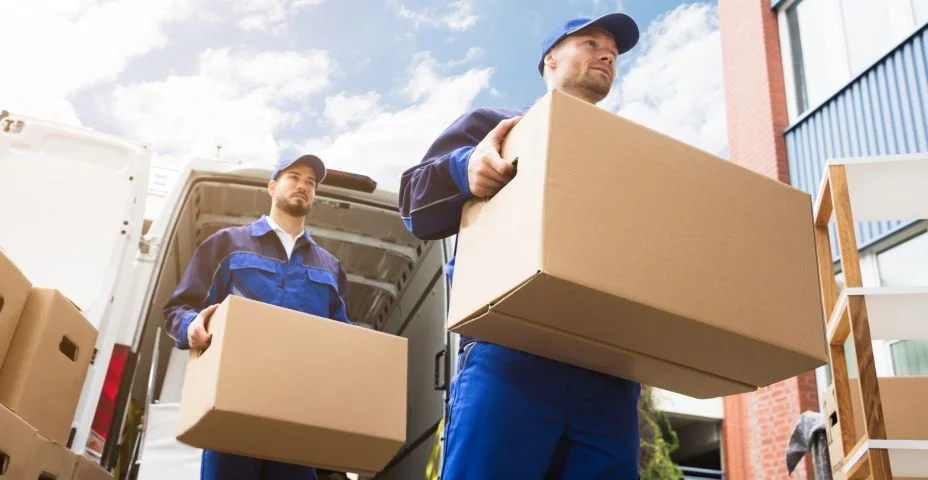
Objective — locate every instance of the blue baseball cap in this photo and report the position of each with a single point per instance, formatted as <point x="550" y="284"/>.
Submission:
<point x="311" y="161"/>
<point x="622" y="27"/>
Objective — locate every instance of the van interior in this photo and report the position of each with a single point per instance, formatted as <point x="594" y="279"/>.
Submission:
<point x="397" y="285"/>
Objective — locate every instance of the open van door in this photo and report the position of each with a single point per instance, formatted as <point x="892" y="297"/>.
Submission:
<point x="72" y="202"/>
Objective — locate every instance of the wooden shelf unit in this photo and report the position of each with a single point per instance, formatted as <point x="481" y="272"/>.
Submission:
<point x="881" y="188"/>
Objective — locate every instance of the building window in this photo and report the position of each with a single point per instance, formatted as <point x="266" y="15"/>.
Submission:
<point x="817" y="60"/>
<point x="826" y="43"/>
<point x="872" y="29"/>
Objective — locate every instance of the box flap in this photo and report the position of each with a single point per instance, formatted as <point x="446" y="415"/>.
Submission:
<point x="591" y="353"/>
<point x="620" y="322"/>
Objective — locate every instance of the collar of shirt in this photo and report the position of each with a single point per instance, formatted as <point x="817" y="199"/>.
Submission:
<point x="288" y="241"/>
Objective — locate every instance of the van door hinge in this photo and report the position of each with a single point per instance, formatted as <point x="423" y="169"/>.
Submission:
<point x="148" y="248"/>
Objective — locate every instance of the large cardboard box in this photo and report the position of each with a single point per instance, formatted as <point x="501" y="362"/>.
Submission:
<point x="17" y="444"/>
<point x="86" y="469"/>
<point x="622" y="250"/>
<point x="14" y="288"/>
<point x="50" y="461"/>
<point x="45" y="367"/>
<point x="282" y="385"/>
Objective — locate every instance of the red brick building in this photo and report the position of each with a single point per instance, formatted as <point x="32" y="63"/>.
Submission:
<point x="808" y="80"/>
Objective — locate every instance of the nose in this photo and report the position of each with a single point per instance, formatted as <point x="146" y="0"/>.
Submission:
<point x="607" y="57"/>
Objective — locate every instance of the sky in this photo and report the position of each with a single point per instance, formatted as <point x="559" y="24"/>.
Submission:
<point x="365" y="84"/>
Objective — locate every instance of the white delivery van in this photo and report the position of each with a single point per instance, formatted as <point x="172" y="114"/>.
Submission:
<point x="72" y="203"/>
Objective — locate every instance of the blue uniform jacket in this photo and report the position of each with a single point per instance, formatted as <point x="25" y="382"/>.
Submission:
<point x="250" y="261"/>
<point x="433" y="193"/>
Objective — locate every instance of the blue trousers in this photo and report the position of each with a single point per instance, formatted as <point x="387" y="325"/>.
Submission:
<point x="226" y="466"/>
<point x="515" y="415"/>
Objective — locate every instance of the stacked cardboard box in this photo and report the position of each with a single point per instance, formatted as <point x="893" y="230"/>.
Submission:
<point x="283" y="385"/>
<point x="45" y="349"/>
<point x="621" y="250"/>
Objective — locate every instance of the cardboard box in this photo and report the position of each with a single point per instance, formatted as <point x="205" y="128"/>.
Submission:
<point x="14" y="288"/>
<point x="50" y="461"/>
<point x="903" y="414"/>
<point x="622" y="250"/>
<point x="833" y="433"/>
<point x="17" y="444"/>
<point x="282" y="385"/>
<point x="45" y="367"/>
<point x="86" y="469"/>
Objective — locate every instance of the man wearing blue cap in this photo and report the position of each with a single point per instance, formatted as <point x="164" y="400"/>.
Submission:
<point x="272" y="260"/>
<point x="512" y="414"/>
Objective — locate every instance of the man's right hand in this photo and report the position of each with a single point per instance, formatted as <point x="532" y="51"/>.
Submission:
<point x="197" y="337"/>
<point x="487" y="172"/>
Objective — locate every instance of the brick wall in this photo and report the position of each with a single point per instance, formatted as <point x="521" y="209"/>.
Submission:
<point x="757" y="426"/>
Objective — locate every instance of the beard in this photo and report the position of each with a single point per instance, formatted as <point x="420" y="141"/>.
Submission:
<point x="594" y="86"/>
<point x="291" y="207"/>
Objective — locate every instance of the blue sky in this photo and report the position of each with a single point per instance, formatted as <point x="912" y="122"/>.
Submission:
<point x="366" y="84"/>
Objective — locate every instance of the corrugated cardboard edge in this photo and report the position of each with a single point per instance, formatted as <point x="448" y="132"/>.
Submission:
<point x="453" y="327"/>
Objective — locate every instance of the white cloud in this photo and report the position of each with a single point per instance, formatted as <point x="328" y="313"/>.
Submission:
<point x="387" y="143"/>
<point x="244" y="97"/>
<point x="457" y="15"/>
<point x="343" y="110"/>
<point x="261" y="14"/>
<point x="675" y="84"/>
<point x="53" y="48"/>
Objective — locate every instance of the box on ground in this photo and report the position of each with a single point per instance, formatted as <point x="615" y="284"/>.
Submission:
<point x="17" y="444"/>
<point x="50" y="461"/>
<point x="45" y="367"/>
<point x="282" y="385"/>
<point x="14" y="288"/>
<point x="86" y="469"/>
<point x="622" y="250"/>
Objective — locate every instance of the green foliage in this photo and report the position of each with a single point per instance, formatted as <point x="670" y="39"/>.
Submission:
<point x="656" y="463"/>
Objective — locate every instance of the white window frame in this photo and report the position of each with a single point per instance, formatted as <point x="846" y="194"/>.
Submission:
<point x="786" y="53"/>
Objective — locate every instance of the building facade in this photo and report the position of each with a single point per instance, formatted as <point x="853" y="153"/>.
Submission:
<point x="807" y="81"/>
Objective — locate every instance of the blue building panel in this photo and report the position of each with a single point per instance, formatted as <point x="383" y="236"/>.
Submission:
<point x="884" y="111"/>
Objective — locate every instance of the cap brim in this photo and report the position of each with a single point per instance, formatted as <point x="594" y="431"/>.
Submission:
<point x="622" y="27"/>
<point x="310" y="161"/>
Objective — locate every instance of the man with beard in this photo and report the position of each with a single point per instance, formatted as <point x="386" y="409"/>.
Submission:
<point x="512" y="414"/>
<point x="272" y="260"/>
